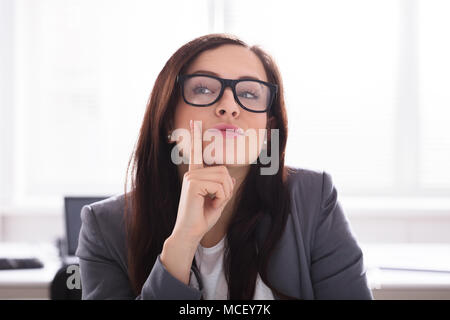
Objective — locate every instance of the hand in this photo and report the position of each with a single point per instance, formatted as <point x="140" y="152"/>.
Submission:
<point x="204" y="193"/>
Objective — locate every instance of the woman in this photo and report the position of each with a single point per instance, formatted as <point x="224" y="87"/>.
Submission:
<point x="211" y="228"/>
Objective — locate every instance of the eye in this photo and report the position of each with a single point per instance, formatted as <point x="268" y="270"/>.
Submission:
<point x="248" y="95"/>
<point x="201" y="90"/>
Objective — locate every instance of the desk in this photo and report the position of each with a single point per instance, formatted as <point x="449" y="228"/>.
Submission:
<point x="393" y="270"/>
<point x="28" y="283"/>
<point x="385" y="284"/>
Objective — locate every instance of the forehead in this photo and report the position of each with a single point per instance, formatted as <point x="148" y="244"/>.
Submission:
<point x="229" y="61"/>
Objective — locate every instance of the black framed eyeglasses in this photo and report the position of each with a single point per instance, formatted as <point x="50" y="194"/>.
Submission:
<point x="202" y="90"/>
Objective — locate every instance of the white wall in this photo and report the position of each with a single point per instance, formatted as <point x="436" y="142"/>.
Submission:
<point x="6" y="100"/>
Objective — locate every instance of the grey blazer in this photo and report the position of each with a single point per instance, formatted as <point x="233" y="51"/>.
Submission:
<point x="317" y="257"/>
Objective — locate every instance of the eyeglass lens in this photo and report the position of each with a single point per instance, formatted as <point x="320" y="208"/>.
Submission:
<point x="204" y="90"/>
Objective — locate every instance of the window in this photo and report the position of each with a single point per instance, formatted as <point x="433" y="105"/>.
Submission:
<point x="366" y="87"/>
<point x="83" y="73"/>
<point x="434" y="94"/>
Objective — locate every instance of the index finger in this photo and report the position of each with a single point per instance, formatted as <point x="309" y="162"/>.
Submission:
<point x="196" y="156"/>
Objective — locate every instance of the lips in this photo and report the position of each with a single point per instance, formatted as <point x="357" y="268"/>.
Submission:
<point x="228" y="129"/>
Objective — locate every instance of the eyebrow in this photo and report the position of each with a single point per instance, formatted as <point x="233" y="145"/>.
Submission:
<point x="215" y="74"/>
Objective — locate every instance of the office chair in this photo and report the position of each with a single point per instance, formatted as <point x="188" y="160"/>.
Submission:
<point x="59" y="289"/>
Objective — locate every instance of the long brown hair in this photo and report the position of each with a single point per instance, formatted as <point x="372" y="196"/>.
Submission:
<point x="156" y="186"/>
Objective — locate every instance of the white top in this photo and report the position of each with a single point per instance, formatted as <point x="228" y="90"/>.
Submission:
<point x="210" y="264"/>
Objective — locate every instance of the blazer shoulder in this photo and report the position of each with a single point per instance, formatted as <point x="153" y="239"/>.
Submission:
<point x="302" y="181"/>
<point x="106" y="218"/>
<point x="109" y="211"/>
<point x="309" y="190"/>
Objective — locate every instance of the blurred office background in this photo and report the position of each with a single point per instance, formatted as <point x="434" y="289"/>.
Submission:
<point x="367" y="89"/>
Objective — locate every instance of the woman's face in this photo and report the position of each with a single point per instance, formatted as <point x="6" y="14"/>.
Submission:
<point x="228" y="62"/>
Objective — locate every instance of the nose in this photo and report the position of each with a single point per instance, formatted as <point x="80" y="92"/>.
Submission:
<point x="227" y="104"/>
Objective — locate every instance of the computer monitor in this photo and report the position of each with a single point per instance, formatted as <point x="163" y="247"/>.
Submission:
<point x="72" y="208"/>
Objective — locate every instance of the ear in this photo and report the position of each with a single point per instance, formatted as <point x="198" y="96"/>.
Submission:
<point x="168" y="129"/>
<point x="168" y="135"/>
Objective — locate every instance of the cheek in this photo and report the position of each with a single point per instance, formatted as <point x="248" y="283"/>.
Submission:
<point x="182" y="116"/>
<point x="255" y="141"/>
<point x="259" y="121"/>
<point x="185" y="112"/>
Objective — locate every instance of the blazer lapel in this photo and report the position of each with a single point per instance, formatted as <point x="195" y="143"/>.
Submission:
<point x="283" y="269"/>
